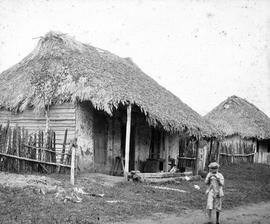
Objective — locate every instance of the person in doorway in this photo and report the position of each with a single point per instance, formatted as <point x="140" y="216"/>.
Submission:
<point x="215" y="182"/>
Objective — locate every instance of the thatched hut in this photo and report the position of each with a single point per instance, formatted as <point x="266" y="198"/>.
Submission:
<point x="246" y="130"/>
<point x="98" y="93"/>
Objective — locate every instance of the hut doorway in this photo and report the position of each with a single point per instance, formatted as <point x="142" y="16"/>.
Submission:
<point x="263" y="153"/>
<point x="100" y="141"/>
<point x="155" y="162"/>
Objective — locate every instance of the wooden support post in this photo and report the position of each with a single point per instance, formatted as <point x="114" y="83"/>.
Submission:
<point x="127" y="148"/>
<point x="255" y="146"/>
<point x="9" y="140"/>
<point x="6" y="138"/>
<point x="218" y="152"/>
<point x="210" y="152"/>
<point x="166" y="153"/>
<point x="72" y="165"/>
<point x="18" y="147"/>
<point x="54" y="146"/>
<point x="26" y="163"/>
<point x="9" y="148"/>
<point x="161" y="144"/>
<point x="232" y="153"/>
<point x="13" y="149"/>
<point x="196" y="170"/>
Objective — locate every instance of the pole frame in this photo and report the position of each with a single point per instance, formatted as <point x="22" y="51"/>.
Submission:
<point x="127" y="145"/>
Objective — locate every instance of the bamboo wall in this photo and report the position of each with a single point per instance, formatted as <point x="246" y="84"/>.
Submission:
<point x="235" y="149"/>
<point x="61" y="117"/>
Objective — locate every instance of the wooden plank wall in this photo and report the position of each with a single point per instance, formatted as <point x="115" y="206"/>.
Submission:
<point x="61" y="117"/>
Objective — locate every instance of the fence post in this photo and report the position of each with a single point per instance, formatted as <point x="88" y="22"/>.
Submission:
<point x="72" y="166"/>
<point x="166" y="146"/>
<point x="6" y="138"/>
<point x="232" y="157"/>
<point x="73" y="146"/>
<point x="18" y="147"/>
<point x="26" y="163"/>
<point x="196" y="170"/>
<point x="63" y="151"/>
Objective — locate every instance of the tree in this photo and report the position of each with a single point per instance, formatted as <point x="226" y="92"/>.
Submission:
<point x="49" y="87"/>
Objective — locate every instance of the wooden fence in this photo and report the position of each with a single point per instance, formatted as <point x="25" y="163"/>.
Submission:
<point x="228" y="153"/>
<point x="237" y="153"/>
<point x="36" y="152"/>
<point x="188" y="156"/>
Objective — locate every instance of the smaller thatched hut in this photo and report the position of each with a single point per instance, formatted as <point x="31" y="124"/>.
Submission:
<point x="246" y="130"/>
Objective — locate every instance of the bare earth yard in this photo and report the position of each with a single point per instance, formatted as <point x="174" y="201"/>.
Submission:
<point x="251" y="214"/>
<point x="99" y="198"/>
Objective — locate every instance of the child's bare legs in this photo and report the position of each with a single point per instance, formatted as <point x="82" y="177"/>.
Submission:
<point x="217" y="217"/>
<point x="209" y="213"/>
<point x="218" y="206"/>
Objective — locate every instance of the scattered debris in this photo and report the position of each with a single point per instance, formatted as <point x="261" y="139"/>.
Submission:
<point x="74" y="195"/>
<point x="135" y="175"/>
<point x="169" y="189"/>
<point x="160" y="177"/>
<point x="114" y="201"/>
<point x="193" y="178"/>
<point x="98" y="195"/>
<point x="73" y="198"/>
<point x="45" y="190"/>
<point x="173" y="170"/>
<point x="79" y="190"/>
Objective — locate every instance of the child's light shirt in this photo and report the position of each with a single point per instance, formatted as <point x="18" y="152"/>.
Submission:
<point x="215" y="186"/>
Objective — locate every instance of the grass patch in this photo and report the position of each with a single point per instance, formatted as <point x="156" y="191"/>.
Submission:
<point x="244" y="184"/>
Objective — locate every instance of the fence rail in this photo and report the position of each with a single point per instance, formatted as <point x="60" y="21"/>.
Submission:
<point x="36" y="152"/>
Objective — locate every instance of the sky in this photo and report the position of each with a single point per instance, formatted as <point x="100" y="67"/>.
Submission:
<point x="203" y="51"/>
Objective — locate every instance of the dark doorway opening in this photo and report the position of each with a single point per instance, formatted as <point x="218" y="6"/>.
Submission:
<point x="100" y="141"/>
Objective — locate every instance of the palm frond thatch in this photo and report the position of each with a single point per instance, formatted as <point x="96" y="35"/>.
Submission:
<point x="236" y="116"/>
<point x="100" y="77"/>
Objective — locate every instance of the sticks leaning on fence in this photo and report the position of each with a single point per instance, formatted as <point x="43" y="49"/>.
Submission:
<point x="33" y="160"/>
<point x="63" y="151"/>
<point x="73" y="146"/>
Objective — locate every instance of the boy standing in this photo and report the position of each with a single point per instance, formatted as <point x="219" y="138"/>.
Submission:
<point x="215" y="182"/>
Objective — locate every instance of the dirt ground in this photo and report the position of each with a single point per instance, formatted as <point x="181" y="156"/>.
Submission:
<point x="99" y="198"/>
<point x="252" y="214"/>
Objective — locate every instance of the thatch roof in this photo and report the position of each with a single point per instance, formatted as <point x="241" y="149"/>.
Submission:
<point x="100" y="77"/>
<point x="236" y="116"/>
